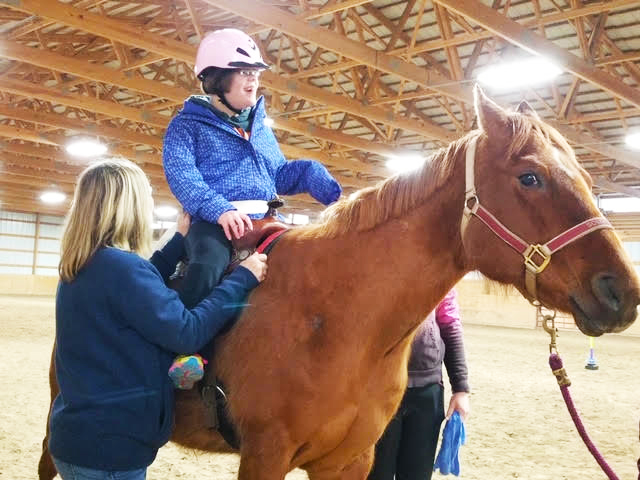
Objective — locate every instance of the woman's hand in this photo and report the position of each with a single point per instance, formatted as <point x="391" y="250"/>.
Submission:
<point x="459" y="401"/>
<point x="256" y="264"/>
<point x="183" y="222"/>
<point x="233" y="223"/>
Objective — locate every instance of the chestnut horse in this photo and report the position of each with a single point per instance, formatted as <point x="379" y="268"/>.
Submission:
<point x="317" y="367"/>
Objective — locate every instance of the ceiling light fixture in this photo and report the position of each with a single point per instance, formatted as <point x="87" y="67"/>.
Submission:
<point x="633" y="140"/>
<point x="52" y="197"/>
<point x="86" y="148"/>
<point x="405" y="163"/>
<point x="521" y="73"/>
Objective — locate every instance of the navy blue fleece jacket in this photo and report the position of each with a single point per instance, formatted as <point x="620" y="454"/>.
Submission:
<point x="118" y="327"/>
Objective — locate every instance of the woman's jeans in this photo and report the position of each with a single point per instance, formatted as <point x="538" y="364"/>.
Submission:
<point x="68" y="471"/>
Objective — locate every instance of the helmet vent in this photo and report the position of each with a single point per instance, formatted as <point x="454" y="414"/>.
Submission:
<point x="242" y="52"/>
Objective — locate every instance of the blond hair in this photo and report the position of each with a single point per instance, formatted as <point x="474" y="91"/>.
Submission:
<point x="112" y="207"/>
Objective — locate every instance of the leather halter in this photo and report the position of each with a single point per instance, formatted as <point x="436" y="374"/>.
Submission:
<point x="536" y="257"/>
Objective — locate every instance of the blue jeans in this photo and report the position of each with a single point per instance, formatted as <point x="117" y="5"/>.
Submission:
<point x="67" y="471"/>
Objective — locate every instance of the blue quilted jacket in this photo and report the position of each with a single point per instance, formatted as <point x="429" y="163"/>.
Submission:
<point x="209" y="164"/>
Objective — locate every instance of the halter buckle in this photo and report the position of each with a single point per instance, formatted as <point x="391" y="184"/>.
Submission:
<point x="543" y="256"/>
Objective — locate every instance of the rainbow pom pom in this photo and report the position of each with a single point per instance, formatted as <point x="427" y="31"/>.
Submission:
<point x="186" y="370"/>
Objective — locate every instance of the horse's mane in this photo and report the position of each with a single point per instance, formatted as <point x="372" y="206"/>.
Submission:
<point x="390" y="198"/>
<point x="371" y="206"/>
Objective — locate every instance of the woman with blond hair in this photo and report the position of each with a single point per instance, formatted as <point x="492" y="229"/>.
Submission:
<point x="118" y="327"/>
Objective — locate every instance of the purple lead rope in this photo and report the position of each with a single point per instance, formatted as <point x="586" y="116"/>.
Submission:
<point x="555" y="362"/>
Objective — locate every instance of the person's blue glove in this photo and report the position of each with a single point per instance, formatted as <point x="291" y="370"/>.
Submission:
<point x="452" y="437"/>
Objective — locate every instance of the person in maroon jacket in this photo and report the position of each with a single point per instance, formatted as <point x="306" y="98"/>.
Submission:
<point x="407" y="447"/>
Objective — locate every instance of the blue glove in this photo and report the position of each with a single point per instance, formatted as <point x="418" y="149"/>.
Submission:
<point x="452" y="437"/>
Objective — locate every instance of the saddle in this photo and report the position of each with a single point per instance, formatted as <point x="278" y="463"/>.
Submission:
<point x="265" y="233"/>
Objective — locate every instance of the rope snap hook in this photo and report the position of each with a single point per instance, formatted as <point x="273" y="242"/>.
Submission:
<point x="549" y="326"/>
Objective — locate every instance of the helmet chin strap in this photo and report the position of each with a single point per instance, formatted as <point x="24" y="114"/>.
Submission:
<point x="224" y="101"/>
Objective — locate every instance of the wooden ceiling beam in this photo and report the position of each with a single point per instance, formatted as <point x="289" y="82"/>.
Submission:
<point x="59" y="140"/>
<point x="13" y="132"/>
<point x="57" y="96"/>
<point x="273" y="17"/>
<point x="297" y="152"/>
<point x="168" y="47"/>
<point x="147" y="159"/>
<point x="16" y="175"/>
<point x="332" y="7"/>
<point x="57" y="120"/>
<point x="550" y="19"/>
<point x="333" y="136"/>
<point x="106" y="75"/>
<point x="607" y="184"/>
<point x="521" y="36"/>
<point x="20" y="160"/>
<point x="356" y="108"/>
<point x="90" y="71"/>
<point x="32" y="207"/>
<point x="109" y="28"/>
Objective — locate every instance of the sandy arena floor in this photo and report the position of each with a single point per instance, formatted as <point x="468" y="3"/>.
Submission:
<point x="519" y="427"/>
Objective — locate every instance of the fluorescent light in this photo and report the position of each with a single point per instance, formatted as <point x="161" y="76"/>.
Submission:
<point x="166" y="211"/>
<point x="633" y="140"/>
<point x="522" y="73"/>
<point x="268" y="122"/>
<point x="405" y="163"/>
<point x="86" y="148"/>
<point x="53" y="197"/>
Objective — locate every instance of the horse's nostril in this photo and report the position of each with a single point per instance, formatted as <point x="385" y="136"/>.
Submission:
<point x="606" y="290"/>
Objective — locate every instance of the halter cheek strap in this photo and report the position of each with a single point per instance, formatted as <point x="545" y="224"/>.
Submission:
<point x="536" y="257"/>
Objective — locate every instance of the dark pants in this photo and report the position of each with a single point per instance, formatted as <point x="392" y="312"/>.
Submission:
<point x="407" y="447"/>
<point x="209" y="254"/>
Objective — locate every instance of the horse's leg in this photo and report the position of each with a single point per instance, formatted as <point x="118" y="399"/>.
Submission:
<point x="357" y="470"/>
<point x="266" y="456"/>
<point x="46" y="468"/>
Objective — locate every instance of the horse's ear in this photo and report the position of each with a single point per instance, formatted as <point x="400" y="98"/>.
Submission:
<point x="491" y="117"/>
<point x="526" y="109"/>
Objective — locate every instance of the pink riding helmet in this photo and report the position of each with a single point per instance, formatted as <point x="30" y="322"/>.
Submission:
<point x="228" y="48"/>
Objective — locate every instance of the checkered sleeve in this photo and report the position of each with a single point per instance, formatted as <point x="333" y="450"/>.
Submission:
<point x="300" y="176"/>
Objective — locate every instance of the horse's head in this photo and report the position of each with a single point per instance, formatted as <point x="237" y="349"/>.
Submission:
<point x="527" y="177"/>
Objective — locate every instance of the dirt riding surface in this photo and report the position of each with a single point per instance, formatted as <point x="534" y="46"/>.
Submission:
<point x="519" y="427"/>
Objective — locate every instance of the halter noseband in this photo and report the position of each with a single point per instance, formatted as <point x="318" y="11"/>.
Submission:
<point x="536" y="257"/>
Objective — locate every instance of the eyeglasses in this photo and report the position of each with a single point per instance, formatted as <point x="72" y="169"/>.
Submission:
<point x="249" y="73"/>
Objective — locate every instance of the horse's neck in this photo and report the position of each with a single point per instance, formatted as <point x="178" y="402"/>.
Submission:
<point x="406" y="267"/>
<point x="422" y="257"/>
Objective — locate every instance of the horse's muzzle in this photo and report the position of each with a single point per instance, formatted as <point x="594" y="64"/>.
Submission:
<point x="612" y="306"/>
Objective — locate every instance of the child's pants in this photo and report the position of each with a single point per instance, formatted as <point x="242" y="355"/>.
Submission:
<point x="209" y="254"/>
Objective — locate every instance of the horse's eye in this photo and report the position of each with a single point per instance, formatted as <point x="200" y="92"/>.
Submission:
<point x="529" y="180"/>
